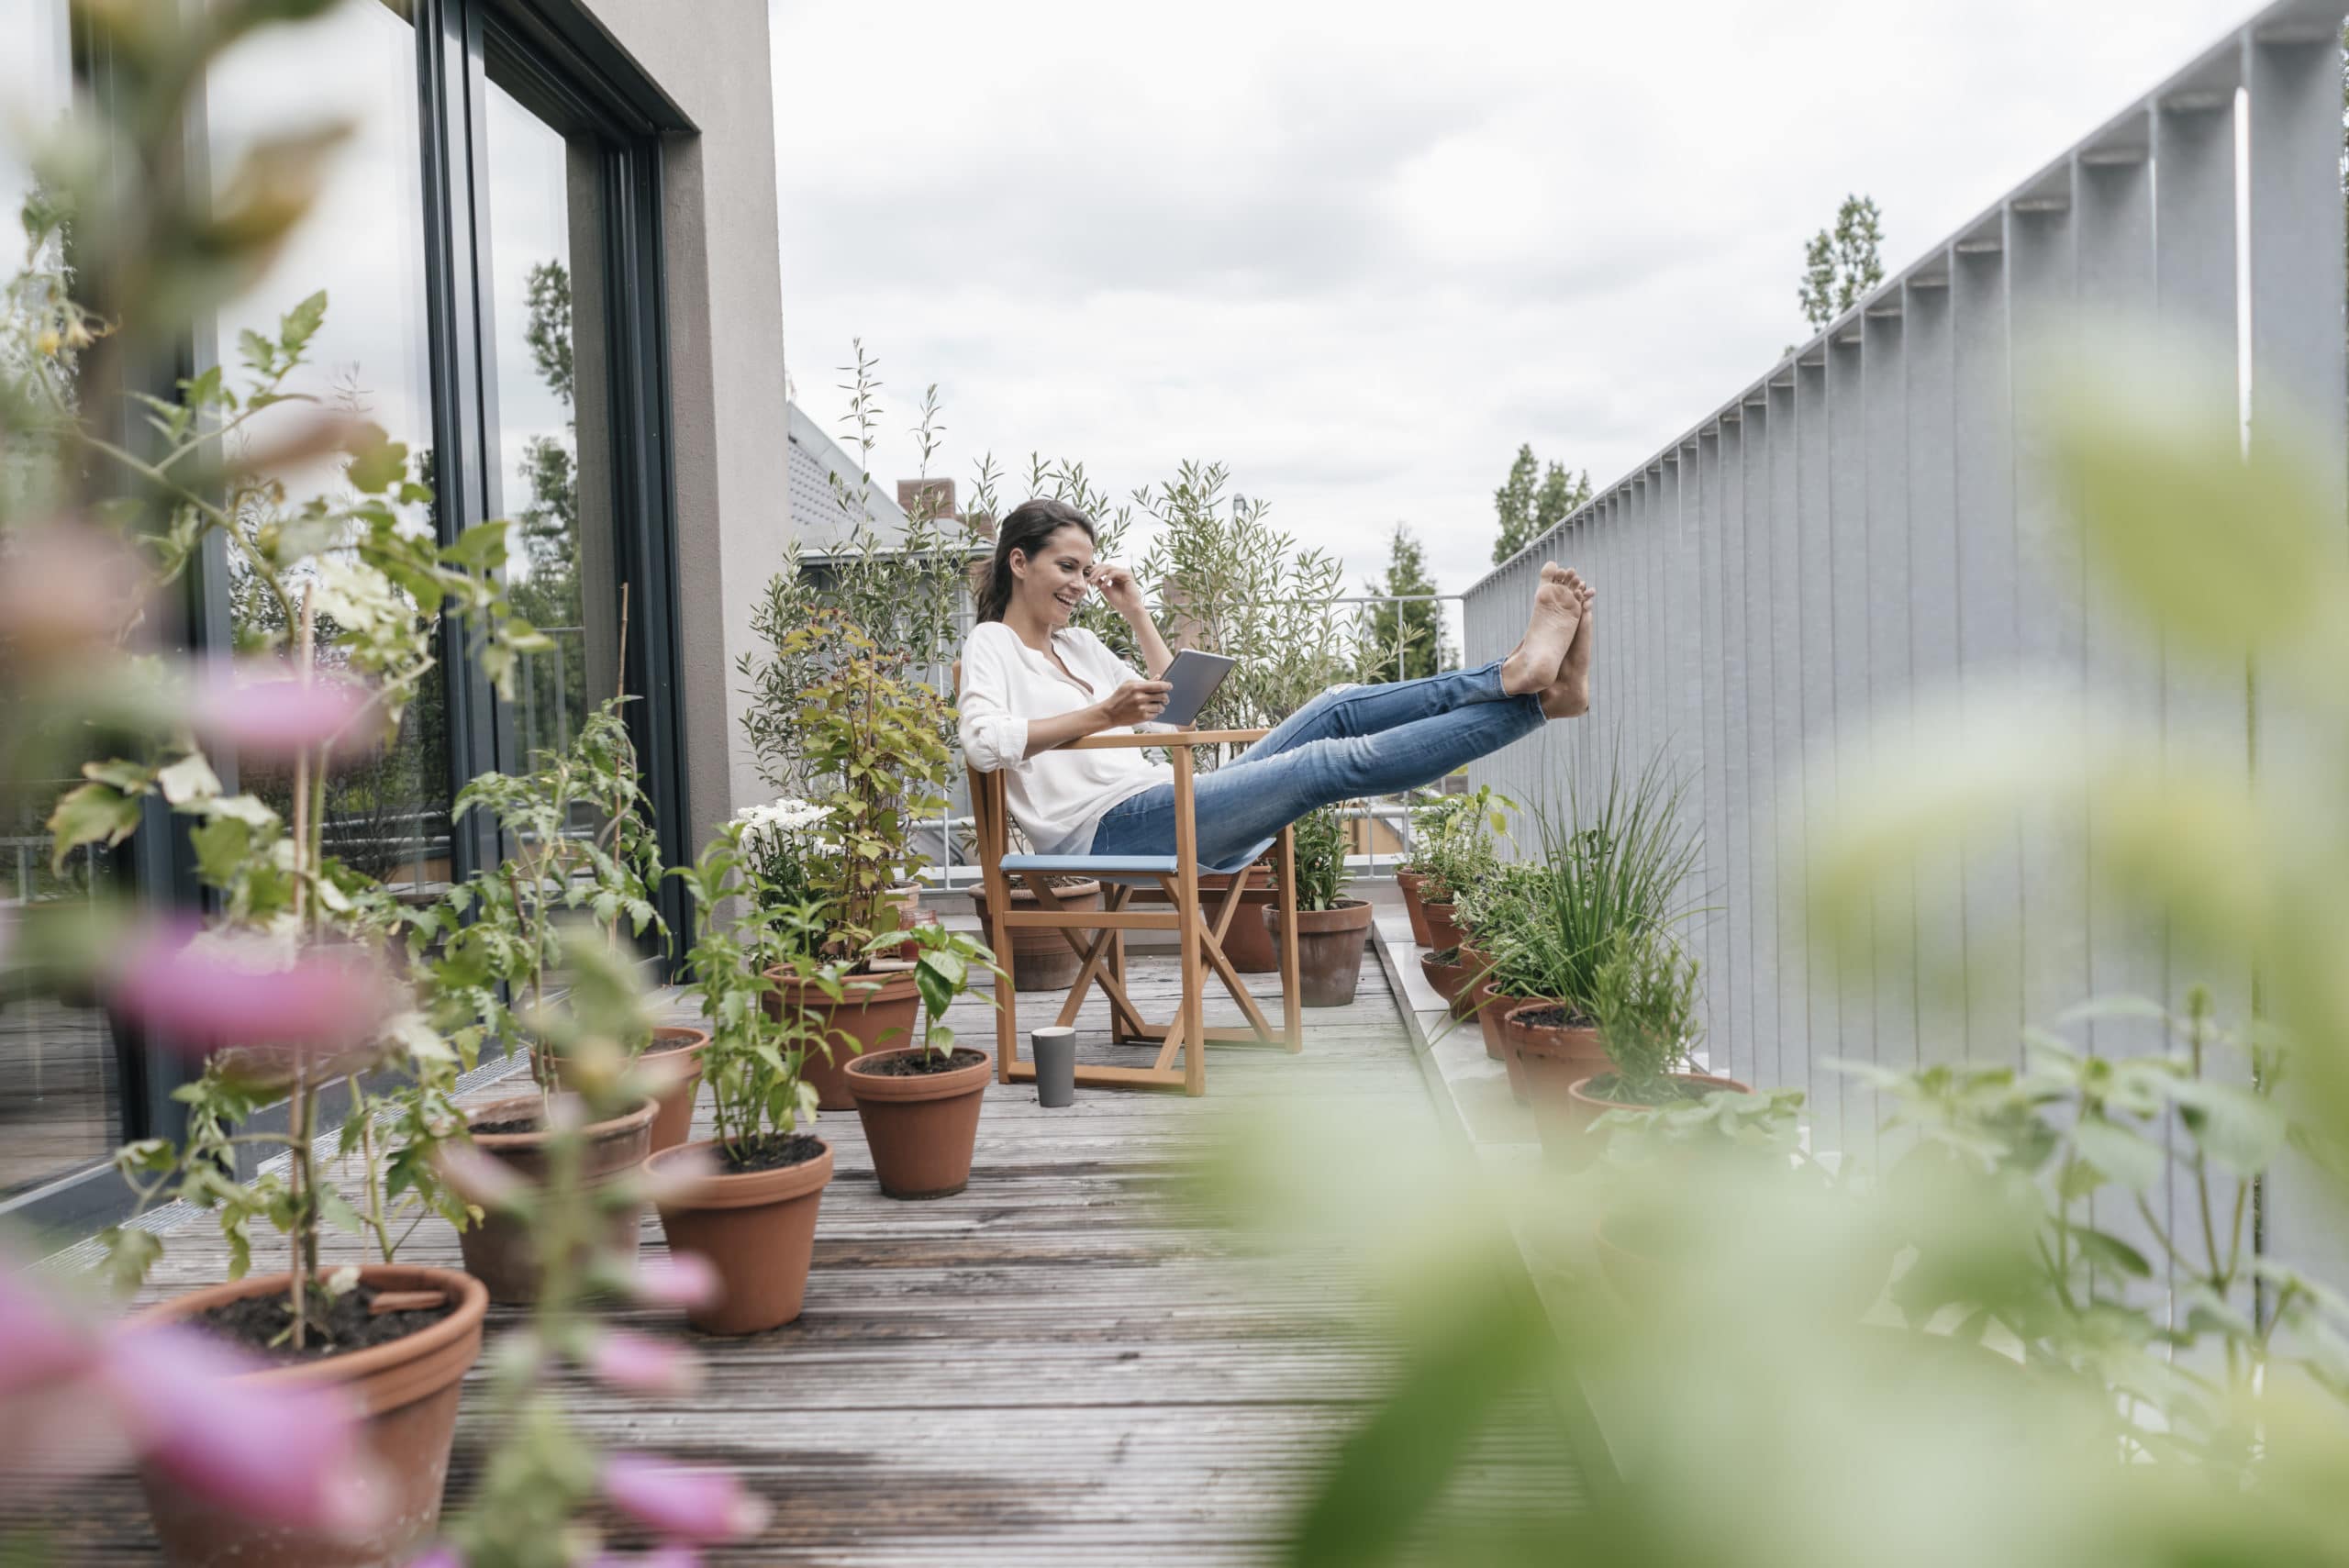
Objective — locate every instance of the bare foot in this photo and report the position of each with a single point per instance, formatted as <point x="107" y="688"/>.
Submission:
<point x="1540" y="656"/>
<point x="1569" y="695"/>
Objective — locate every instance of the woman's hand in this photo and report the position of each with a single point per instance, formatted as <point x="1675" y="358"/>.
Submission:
<point x="1118" y="590"/>
<point x="1136" y="702"/>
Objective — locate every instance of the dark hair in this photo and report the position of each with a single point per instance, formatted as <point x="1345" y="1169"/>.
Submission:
<point x="1025" y="530"/>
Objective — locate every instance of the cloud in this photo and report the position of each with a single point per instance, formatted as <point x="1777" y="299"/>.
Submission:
<point x="1360" y="253"/>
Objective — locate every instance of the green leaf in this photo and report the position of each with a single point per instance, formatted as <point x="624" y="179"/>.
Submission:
<point x="130" y="1253"/>
<point x="2112" y="1253"/>
<point x="95" y="813"/>
<point x="189" y="779"/>
<point x="2225" y="550"/>
<point x="2119" y="1153"/>
<point x="377" y="462"/>
<point x="260" y="353"/>
<point x="336" y="1210"/>
<point x="129" y="777"/>
<point x="2239" y="1130"/>
<point x="302" y="323"/>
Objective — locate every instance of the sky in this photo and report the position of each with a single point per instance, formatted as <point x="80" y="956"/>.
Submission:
<point x="1360" y="253"/>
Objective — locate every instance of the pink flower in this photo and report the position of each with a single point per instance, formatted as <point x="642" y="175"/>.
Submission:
<point x="267" y="713"/>
<point x="284" y="1451"/>
<point x="680" y="1279"/>
<point x="205" y="996"/>
<point x="642" y="1364"/>
<point x="438" y="1557"/>
<point x="681" y="1502"/>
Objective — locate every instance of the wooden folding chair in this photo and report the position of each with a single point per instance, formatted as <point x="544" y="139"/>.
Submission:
<point x="1200" y="932"/>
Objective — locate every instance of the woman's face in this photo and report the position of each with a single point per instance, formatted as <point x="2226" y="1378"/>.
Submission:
<point x="1055" y="579"/>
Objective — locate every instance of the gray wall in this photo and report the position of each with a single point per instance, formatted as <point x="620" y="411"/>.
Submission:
<point x="1866" y="525"/>
<point x="725" y="364"/>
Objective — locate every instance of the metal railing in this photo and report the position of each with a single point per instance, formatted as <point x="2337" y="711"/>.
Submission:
<point x="1865" y="524"/>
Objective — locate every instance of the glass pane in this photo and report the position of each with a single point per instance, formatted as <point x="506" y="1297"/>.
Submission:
<point x="548" y="369"/>
<point x="387" y="814"/>
<point x="59" y="1097"/>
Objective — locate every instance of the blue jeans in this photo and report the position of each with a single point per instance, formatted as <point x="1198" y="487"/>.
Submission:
<point x="1342" y="745"/>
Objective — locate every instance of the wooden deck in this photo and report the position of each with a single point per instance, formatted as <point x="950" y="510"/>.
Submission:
<point x="1065" y="1364"/>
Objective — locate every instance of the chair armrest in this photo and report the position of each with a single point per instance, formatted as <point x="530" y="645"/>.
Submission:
<point x="1163" y="738"/>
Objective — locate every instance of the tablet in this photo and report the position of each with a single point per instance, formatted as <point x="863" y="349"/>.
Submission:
<point x="1193" y="677"/>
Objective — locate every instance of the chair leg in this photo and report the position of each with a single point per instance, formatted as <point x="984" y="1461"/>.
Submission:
<point x="1292" y="998"/>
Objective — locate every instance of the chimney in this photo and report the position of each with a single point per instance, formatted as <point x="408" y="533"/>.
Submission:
<point x="931" y="498"/>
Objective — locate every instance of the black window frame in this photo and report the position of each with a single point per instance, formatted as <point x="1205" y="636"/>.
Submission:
<point x="565" y="52"/>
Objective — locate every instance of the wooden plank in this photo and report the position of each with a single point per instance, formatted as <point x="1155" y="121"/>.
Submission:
<point x="1070" y="1362"/>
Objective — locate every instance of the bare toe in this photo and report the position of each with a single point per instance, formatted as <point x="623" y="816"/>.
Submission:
<point x="1553" y="573"/>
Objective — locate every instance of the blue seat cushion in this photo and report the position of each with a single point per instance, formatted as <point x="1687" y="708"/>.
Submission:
<point x="1092" y="865"/>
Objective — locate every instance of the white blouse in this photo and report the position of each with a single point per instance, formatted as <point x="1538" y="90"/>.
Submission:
<point x="1057" y="797"/>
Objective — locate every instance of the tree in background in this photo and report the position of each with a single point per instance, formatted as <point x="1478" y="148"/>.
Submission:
<point x="1840" y="265"/>
<point x="1405" y="637"/>
<point x="1528" y="510"/>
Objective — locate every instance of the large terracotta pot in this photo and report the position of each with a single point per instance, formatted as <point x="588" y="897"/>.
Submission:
<point x="1041" y="959"/>
<point x="499" y="1250"/>
<point x="1329" y="946"/>
<point x="1451" y="983"/>
<point x="1443" y="931"/>
<point x="1498" y="1008"/>
<point x="1565" y="1126"/>
<point x="1489" y="1005"/>
<point x="877" y="1012"/>
<point x="1548" y="1059"/>
<point x="407" y="1392"/>
<point x="756" y="1228"/>
<point x="675" y="1055"/>
<point x="1408" y="884"/>
<point x="922" y="1127"/>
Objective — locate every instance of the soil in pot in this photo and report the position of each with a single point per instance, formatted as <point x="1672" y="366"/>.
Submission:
<point x="1603" y="1092"/>
<point x="1040" y="960"/>
<point x="1330" y="945"/>
<point x="262" y="1324"/>
<point x="1408" y="882"/>
<point x="499" y="1250"/>
<point x="877" y="1011"/>
<point x="920" y="1111"/>
<point x="754" y="1220"/>
<point x="406" y="1386"/>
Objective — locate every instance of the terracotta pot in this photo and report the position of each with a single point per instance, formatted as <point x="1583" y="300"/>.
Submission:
<point x="1329" y="946"/>
<point x="1489" y="1005"/>
<point x="921" y="1128"/>
<point x="1247" y="941"/>
<point x="674" y="1054"/>
<point x="1443" y="931"/>
<point x="1548" y="1059"/>
<point x="498" y="1250"/>
<point x="877" y="1012"/>
<point x="408" y="1391"/>
<point x="1039" y="959"/>
<point x="1408" y="884"/>
<point x="906" y="901"/>
<point x="758" y="1230"/>
<point x="1451" y="983"/>
<point x="1511" y="1039"/>
<point x="1579" y="1092"/>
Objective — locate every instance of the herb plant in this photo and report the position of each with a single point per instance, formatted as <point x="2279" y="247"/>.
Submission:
<point x="1319" y="838"/>
<point x="1643" y="996"/>
<point x="753" y="1061"/>
<point x="1614" y="868"/>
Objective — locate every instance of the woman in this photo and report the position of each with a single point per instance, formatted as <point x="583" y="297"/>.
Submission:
<point x="1031" y="684"/>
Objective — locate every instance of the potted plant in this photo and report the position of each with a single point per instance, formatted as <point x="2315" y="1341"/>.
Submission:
<point x="580" y="849"/>
<point x="876" y="755"/>
<point x="1425" y="819"/>
<point x="754" y="1217"/>
<point x="1331" y="929"/>
<point x="288" y="991"/>
<point x="1458" y="853"/>
<point x="919" y="1104"/>
<point x="1645" y="999"/>
<point x="1612" y="869"/>
<point x="1500" y="910"/>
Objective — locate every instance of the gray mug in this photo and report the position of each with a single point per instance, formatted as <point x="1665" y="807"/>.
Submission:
<point x="1054" y="1050"/>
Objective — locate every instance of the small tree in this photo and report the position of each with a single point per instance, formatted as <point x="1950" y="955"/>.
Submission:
<point x="1527" y="510"/>
<point x="1842" y="265"/>
<point x="1404" y="638"/>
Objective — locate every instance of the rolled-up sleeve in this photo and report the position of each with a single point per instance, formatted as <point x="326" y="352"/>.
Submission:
<point x="994" y="737"/>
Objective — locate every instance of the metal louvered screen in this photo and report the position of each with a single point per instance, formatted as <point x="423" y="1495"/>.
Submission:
<point x="1869" y="524"/>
